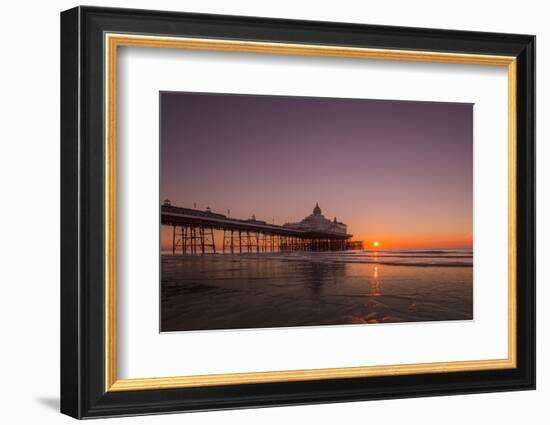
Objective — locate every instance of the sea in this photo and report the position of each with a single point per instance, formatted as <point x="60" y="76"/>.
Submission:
<point x="273" y="290"/>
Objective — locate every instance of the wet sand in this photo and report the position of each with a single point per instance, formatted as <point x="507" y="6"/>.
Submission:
<point x="281" y="290"/>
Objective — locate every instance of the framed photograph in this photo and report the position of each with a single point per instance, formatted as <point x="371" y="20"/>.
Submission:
<point x="261" y="212"/>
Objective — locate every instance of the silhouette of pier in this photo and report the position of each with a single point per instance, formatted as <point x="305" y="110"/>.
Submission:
<point x="193" y="234"/>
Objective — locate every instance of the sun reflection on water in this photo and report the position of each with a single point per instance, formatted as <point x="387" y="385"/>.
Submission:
<point x="375" y="286"/>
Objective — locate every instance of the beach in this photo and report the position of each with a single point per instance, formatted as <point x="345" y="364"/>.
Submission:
<point x="315" y="288"/>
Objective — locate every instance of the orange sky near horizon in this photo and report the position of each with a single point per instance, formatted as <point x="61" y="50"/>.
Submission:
<point x="385" y="241"/>
<point x="451" y="243"/>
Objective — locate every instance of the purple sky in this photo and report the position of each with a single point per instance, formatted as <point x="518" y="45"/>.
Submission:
<point x="397" y="172"/>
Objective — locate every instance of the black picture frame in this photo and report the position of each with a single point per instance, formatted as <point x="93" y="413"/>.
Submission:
<point x="83" y="392"/>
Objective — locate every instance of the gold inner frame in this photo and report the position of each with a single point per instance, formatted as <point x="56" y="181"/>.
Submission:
<point x="113" y="41"/>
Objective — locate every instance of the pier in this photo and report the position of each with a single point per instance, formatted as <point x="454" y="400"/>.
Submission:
<point x="193" y="234"/>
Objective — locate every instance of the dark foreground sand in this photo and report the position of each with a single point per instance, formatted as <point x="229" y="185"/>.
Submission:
<point x="275" y="290"/>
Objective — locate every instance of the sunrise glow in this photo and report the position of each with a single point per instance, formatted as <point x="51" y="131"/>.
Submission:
<point x="373" y="185"/>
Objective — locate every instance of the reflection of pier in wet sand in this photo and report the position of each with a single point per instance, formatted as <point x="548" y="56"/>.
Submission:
<point x="313" y="288"/>
<point x="193" y="233"/>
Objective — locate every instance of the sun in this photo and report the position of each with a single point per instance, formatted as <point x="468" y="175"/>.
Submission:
<point x="376" y="244"/>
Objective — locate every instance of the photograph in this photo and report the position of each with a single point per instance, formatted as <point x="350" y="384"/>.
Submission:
<point x="290" y="211"/>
